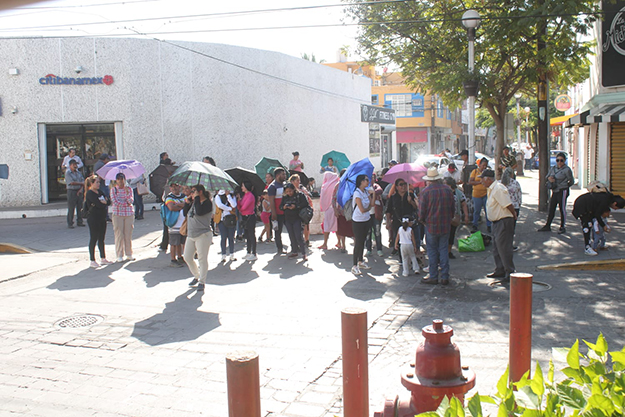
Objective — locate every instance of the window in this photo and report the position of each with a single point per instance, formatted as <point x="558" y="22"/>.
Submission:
<point x="374" y="99"/>
<point x="402" y="104"/>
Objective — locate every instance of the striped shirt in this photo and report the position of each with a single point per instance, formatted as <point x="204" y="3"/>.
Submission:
<point x="122" y="200"/>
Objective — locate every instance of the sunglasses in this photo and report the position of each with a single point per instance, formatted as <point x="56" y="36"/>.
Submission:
<point x="402" y="184"/>
<point x="559" y="160"/>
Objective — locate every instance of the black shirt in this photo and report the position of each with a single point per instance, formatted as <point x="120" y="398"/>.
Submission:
<point x="399" y="207"/>
<point x="97" y="209"/>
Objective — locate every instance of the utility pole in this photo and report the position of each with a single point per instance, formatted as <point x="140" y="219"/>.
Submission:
<point x="543" y="122"/>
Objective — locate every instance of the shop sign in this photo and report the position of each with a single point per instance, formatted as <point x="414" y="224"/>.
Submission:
<point x="52" y="79"/>
<point x="613" y="40"/>
<point x="372" y="114"/>
<point x="563" y="102"/>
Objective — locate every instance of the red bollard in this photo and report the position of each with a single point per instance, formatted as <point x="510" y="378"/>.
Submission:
<point x="243" y="377"/>
<point x="435" y="373"/>
<point x="520" y="324"/>
<point x="355" y="362"/>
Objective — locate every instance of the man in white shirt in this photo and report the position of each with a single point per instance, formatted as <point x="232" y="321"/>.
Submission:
<point x="71" y="155"/>
<point x="527" y="155"/>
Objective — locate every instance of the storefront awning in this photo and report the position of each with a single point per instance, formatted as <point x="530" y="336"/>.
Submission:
<point x="556" y="121"/>
<point x="605" y="113"/>
<point x="412" y="136"/>
<point x="577" y="120"/>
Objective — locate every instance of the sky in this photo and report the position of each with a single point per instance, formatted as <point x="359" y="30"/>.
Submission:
<point x="126" y="18"/>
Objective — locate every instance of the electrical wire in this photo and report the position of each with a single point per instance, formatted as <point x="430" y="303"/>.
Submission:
<point x="82" y="5"/>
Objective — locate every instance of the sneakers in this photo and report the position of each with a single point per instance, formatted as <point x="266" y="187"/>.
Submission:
<point x="363" y="265"/>
<point x="104" y="261"/>
<point x="380" y="253"/>
<point x="130" y="258"/>
<point x="304" y="257"/>
<point x="181" y="260"/>
<point x="515" y="248"/>
<point x="590" y="252"/>
<point x="451" y="255"/>
<point x="174" y="264"/>
<point x="561" y="230"/>
<point x="545" y="229"/>
<point x="426" y="268"/>
<point x="260" y="240"/>
<point x="120" y="259"/>
<point x="80" y="224"/>
<point x="417" y="272"/>
<point x="70" y="226"/>
<point x="405" y="274"/>
<point x="200" y="287"/>
<point x="232" y="258"/>
<point x="250" y="257"/>
<point x="293" y="255"/>
<point x="223" y="259"/>
<point x="193" y="282"/>
<point x="369" y="253"/>
<point x="94" y="264"/>
<point x="356" y="270"/>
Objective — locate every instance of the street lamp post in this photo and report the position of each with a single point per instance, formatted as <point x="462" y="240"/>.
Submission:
<point x="471" y="21"/>
<point x="527" y="130"/>
<point x="518" y="120"/>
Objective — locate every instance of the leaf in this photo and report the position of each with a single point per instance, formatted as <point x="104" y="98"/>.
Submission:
<point x="618" y="400"/>
<point x="475" y="406"/>
<point x="503" y="385"/>
<point x="538" y="382"/>
<point x="559" y="354"/>
<point x="594" y="370"/>
<point x="442" y="407"/>
<point x="602" y="403"/>
<point x="526" y="398"/>
<point x="571" y="397"/>
<point x="502" y="411"/>
<point x="574" y="374"/>
<point x="456" y="409"/>
<point x="618" y="357"/>
<point x="602" y="345"/>
<point x="524" y="381"/>
<point x="487" y="399"/>
<point x="550" y="373"/>
<point x="429" y="414"/>
<point x="531" y="413"/>
<point x="572" y="358"/>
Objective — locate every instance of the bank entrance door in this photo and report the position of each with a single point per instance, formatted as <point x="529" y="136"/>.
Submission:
<point x="89" y="140"/>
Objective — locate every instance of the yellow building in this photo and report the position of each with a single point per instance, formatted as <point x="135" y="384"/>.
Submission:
<point x="423" y="124"/>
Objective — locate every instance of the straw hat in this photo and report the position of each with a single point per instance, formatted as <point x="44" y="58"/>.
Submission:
<point x="432" y="175"/>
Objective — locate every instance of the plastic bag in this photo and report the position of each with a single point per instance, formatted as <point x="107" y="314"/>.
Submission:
<point x="474" y="243"/>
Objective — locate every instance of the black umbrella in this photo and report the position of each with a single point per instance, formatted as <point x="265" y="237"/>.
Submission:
<point x="303" y="178"/>
<point x="158" y="179"/>
<point x="241" y="174"/>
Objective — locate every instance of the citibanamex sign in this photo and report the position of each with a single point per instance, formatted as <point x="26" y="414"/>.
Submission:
<point x="52" y="79"/>
<point x="616" y="35"/>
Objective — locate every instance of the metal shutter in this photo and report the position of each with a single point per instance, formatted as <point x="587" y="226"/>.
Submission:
<point x="617" y="157"/>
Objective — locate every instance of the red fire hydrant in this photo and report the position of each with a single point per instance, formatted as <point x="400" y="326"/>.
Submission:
<point x="436" y="373"/>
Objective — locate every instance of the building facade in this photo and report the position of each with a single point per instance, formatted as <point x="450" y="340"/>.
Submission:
<point x="135" y="98"/>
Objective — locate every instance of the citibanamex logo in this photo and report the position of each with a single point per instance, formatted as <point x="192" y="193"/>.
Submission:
<point x="616" y="35"/>
<point x="52" y="79"/>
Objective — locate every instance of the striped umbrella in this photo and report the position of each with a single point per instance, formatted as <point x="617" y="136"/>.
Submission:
<point x="194" y="172"/>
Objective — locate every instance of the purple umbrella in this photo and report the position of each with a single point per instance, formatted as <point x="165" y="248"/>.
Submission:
<point x="130" y="168"/>
<point x="411" y="173"/>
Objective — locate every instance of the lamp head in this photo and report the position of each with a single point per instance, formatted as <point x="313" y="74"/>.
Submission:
<point x="471" y="19"/>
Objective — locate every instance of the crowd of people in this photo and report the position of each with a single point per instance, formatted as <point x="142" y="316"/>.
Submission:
<point x="416" y="217"/>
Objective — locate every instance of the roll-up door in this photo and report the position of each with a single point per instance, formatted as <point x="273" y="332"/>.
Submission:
<point x="617" y="156"/>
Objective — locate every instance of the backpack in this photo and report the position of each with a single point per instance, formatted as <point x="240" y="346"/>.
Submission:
<point x="348" y="209"/>
<point x="169" y="217"/>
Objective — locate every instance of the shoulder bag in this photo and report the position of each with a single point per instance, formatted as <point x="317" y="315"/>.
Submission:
<point x="142" y="189"/>
<point x="306" y="214"/>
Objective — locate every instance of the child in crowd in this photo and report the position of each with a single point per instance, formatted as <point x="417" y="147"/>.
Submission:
<point x="265" y="216"/>
<point x="598" y="234"/>
<point x="405" y="240"/>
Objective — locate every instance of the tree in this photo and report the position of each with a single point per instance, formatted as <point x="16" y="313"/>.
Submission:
<point x="312" y="58"/>
<point x="428" y="42"/>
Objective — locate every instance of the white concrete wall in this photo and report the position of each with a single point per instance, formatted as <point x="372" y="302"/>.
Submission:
<point x="179" y="101"/>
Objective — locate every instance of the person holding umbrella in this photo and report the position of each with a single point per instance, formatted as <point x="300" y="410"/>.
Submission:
<point x="296" y="164"/>
<point x="198" y="210"/>
<point x="329" y="167"/>
<point x="123" y="217"/>
<point x="363" y="201"/>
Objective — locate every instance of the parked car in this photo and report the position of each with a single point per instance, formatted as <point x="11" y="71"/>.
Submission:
<point x="428" y="160"/>
<point x="552" y="157"/>
<point x="460" y="163"/>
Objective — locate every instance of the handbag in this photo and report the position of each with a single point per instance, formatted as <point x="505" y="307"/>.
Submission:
<point x="183" y="227"/>
<point x="230" y="221"/>
<point x="142" y="189"/>
<point x="306" y="214"/>
<point x="455" y="221"/>
<point x="84" y="213"/>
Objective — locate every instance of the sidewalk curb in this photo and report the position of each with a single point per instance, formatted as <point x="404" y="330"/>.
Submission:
<point x="12" y="248"/>
<point x="605" y="265"/>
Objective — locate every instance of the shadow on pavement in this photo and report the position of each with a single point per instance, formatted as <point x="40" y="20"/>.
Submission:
<point x="287" y="268"/>
<point x="364" y="288"/>
<point x="156" y="270"/>
<point x="87" y="278"/>
<point x="225" y="274"/>
<point x="180" y="321"/>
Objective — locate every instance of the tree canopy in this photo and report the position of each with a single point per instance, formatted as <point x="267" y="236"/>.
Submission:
<point x="427" y="40"/>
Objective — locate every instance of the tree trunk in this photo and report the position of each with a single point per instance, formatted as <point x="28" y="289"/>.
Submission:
<point x="498" y="119"/>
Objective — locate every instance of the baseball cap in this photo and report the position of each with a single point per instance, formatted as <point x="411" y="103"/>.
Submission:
<point x="295" y="153"/>
<point x="464" y="152"/>
<point x="393" y="162"/>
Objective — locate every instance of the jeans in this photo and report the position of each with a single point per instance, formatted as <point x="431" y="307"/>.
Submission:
<point x="138" y="203"/>
<point x="478" y="203"/>
<point x="278" y="233"/>
<point x="360" y="234"/>
<point x="201" y="245"/>
<point x="438" y="254"/>
<point x="74" y="205"/>
<point x="294" y="227"/>
<point x="240" y="224"/>
<point x="558" y="198"/>
<point x="374" y="229"/>
<point x="227" y="236"/>
<point x="250" y="232"/>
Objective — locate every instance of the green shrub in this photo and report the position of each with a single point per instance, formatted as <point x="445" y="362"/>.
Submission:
<point x="594" y="387"/>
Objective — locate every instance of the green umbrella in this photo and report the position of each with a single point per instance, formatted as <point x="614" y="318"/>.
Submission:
<point x="194" y="172"/>
<point x="267" y="165"/>
<point x="341" y="161"/>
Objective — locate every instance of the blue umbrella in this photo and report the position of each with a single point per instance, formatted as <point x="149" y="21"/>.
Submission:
<point x="340" y="160"/>
<point x="347" y="185"/>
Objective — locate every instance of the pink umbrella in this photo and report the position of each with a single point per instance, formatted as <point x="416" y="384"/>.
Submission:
<point x="411" y="173"/>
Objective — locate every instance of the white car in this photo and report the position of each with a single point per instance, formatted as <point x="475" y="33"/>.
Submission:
<point x="460" y="163"/>
<point x="428" y="160"/>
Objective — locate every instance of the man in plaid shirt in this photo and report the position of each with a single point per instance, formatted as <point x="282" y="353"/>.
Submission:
<point x="437" y="206"/>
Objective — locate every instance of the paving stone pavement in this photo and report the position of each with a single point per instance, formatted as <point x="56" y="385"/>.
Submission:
<point x="158" y="347"/>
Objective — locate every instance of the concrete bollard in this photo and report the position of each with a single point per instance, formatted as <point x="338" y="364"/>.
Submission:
<point x="242" y="373"/>
<point x="520" y="324"/>
<point x="355" y="362"/>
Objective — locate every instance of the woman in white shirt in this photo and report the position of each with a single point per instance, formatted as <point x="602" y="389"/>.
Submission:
<point x="228" y="221"/>
<point x="362" y="203"/>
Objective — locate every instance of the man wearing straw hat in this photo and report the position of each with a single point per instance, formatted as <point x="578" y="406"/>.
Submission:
<point x="437" y="207"/>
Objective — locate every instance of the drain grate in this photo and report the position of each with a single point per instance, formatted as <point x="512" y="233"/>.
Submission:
<point x="84" y="320"/>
